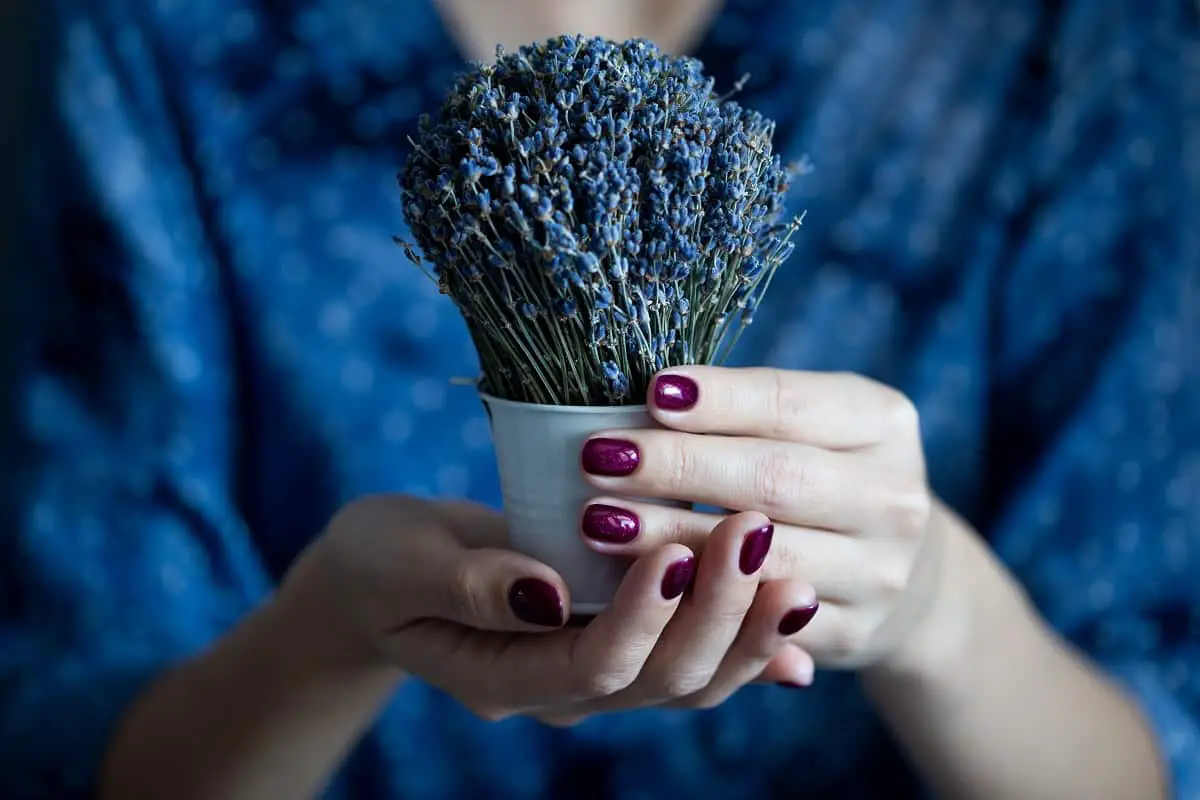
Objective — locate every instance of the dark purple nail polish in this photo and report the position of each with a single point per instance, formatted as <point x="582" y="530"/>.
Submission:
<point x="795" y="620"/>
<point x="536" y="602"/>
<point x="612" y="457"/>
<point x="675" y="392"/>
<point x="755" y="547"/>
<point x="610" y="524"/>
<point x="678" y="578"/>
<point x="790" y="685"/>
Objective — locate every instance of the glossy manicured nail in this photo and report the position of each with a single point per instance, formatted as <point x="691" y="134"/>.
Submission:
<point x="610" y="524"/>
<point x="678" y="577"/>
<point x="795" y="620"/>
<point x="612" y="457"/>
<point x="755" y="547"/>
<point x="675" y="392"/>
<point x="791" y="685"/>
<point x="536" y="602"/>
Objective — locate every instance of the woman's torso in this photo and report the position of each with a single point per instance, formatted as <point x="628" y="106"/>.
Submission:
<point x="292" y="125"/>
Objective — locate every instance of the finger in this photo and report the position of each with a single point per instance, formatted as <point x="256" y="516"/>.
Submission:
<point x="488" y="588"/>
<point x="791" y="668"/>
<point x="707" y="622"/>
<point x="793" y="483"/>
<point x="830" y="561"/>
<point x="483" y="588"/>
<point x="491" y="590"/>
<point x="780" y="610"/>
<point x="614" y="647"/>
<point x="834" y="410"/>
<point x="506" y="673"/>
<point x="839" y="637"/>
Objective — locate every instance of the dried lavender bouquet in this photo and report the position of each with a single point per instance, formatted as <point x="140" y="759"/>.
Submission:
<point x="597" y="213"/>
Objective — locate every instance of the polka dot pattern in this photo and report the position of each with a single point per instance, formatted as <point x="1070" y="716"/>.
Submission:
<point x="228" y="346"/>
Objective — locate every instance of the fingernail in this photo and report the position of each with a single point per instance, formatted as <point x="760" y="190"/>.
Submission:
<point x="612" y="457"/>
<point x="675" y="392"/>
<point x="791" y="685"/>
<point x="610" y="524"/>
<point x="755" y="547"/>
<point x="678" y="577"/>
<point x="536" y="602"/>
<point x="795" y="620"/>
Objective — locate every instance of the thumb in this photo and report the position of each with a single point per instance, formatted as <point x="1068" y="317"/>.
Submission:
<point x="485" y="587"/>
<point x="499" y="590"/>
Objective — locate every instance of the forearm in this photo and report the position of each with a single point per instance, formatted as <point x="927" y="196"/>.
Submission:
<point x="270" y="711"/>
<point x="992" y="704"/>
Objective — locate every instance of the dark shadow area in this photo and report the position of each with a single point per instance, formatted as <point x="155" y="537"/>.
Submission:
<point x="21" y="40"/>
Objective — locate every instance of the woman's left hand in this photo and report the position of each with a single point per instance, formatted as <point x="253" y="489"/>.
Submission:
<point x="835" y="460"/>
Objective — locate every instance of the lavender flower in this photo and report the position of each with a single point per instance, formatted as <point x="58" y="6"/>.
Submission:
<point x="597" y="213"/>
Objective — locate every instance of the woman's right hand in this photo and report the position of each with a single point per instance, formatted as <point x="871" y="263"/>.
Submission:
<point x="429" y="588"/>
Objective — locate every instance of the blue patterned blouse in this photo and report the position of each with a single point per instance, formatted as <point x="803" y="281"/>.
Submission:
<point x="222" y="345"/>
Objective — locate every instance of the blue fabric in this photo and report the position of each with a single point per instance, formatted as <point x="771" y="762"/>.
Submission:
<point x="221" y="345"/>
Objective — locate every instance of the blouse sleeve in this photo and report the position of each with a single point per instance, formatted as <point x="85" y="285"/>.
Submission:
<point x="1095" y="444"/>
<point x="122" y="549"/>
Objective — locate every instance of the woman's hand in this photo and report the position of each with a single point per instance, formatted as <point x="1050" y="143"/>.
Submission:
<point x="834" y="459"/>
<point x="427" y="588"/>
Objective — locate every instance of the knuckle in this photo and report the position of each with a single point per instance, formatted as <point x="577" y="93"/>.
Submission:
<point x="859" y="388"/>
<point x="849" y="640"/>
<point x="901" y="414"/>
<point x="463" y="593"/>
<point x="704" y="701"/>
<point x="777" y="479"/>
<point x="678" y="684"/>
<point x="909" y="513"/>
<point x="683" y="470"/>
<point x="602" y="682"/>
<point x="787" y="403"/>
<point x="730" y="616"/>
<point x="891" y="575"/>
<point x="676" y="528"/>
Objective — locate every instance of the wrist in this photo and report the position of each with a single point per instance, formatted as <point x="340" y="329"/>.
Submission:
<point x="271" y="708"/>
<point x="973" y="601"/>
